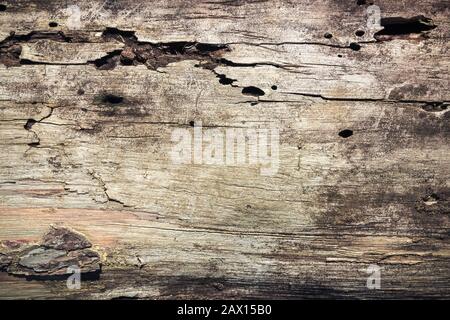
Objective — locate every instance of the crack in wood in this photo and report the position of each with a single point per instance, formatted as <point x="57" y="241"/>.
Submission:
<point x="97" y="177"/>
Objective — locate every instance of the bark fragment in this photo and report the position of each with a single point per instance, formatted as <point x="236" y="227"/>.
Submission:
<point x="62" y="238"/>
<point x="5" y="261"/>
<point x="60" y="248"/>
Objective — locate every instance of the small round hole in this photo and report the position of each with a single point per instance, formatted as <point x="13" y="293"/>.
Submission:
<point x="361" y="2"/>
<point x="339" y="55"/>
<point x="274" y="87"/>
<point x="112" y="99"/>
<point x="346" y="133"/>
<point x="192" y="123"/>
<point x="354" y="46"/>
<point x="328" y="35"/>
<point x="431" y="199"/>
<point x="359" y="33"/>
<point x="53" y="24"/>
<point x="253" y="91"/>
<point x="80" y="92"/>
<point x="2" y="7"/>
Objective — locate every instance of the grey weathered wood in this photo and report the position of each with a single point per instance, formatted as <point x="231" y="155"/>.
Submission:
<point x="70" y="158"/>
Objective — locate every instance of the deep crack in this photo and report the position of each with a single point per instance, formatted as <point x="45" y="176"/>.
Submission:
<point x="156" y="55"/>
<point x="28" y="126"/>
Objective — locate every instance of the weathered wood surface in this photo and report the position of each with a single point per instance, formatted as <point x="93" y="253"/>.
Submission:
<point x="87" y="108"/>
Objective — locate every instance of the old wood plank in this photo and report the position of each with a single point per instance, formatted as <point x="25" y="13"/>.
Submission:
<point x="88" y="108"/>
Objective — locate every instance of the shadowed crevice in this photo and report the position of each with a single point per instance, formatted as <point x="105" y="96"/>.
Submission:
<point x="405" y="28"/>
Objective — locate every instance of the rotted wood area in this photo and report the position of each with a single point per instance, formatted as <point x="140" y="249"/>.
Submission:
<point x="90" y="93"/>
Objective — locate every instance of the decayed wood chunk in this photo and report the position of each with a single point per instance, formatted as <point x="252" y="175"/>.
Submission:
<point x="5" y="261"/>
<point x="61" y="238"/>
<point x="60" y="249"/>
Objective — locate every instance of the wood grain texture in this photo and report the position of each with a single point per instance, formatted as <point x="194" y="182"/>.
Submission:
<point x="87" y="109"/>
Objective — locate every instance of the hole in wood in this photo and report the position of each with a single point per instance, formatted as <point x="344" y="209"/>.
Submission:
<point x="274" y="87"/>
<point x="113" y="99"/>
<point x="33" y="144"/>
<point x="435" y="107"/>
<point x="328" y="35"/>
<point x="431" y="199"/>
<point x="223" y="79"/>
<point x="355" y="47"/>
<point x="253" y="91"/>
<point x="53" y="24"/>
<point x="346" y="133"/>
<point x="359" y="33"/>
<point x="29" y="124"/>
